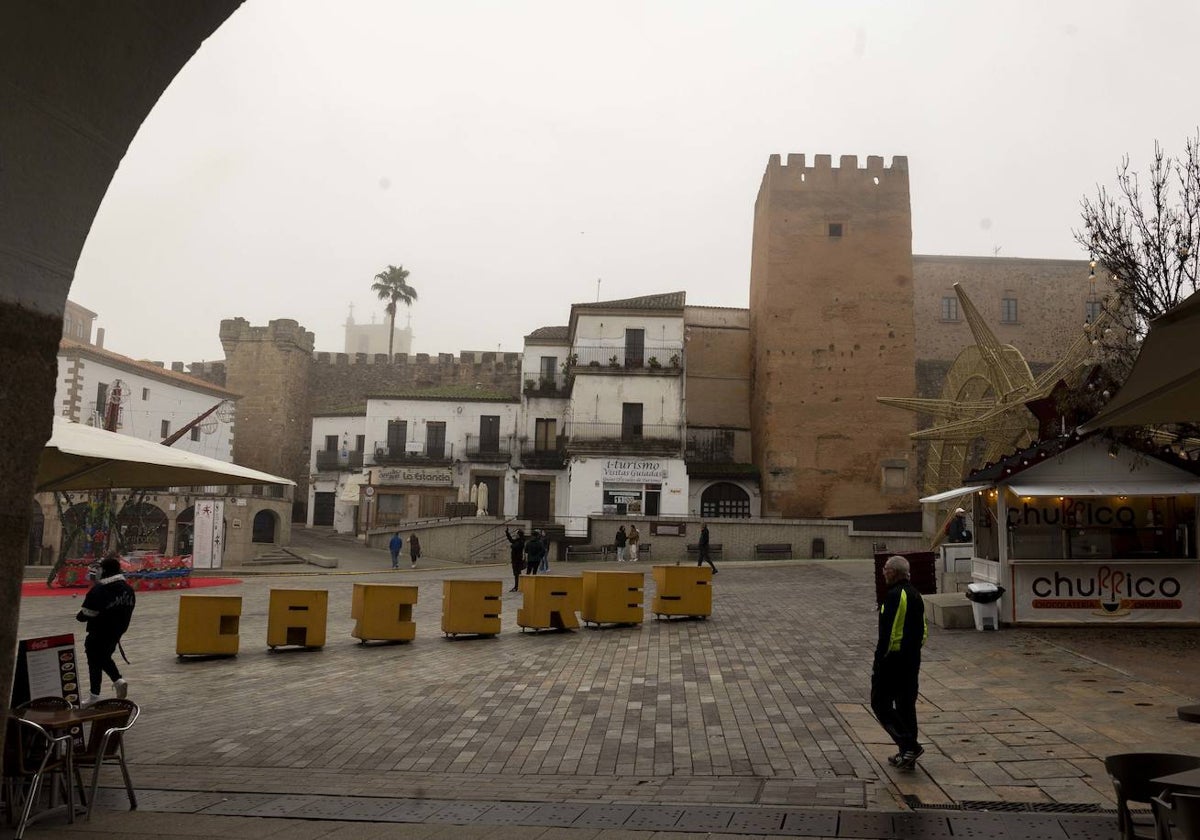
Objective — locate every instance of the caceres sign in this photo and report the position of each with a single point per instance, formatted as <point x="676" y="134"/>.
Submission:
<point x="1108" y="591"/>
<point x="633" y="470"/>
<point x="431" y="476"/>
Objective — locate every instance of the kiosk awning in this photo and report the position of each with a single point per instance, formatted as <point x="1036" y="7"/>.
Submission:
<point x="954" y="494"/>
<point x="1108" y="488"/>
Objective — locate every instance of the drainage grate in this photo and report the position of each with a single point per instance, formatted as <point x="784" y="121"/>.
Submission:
<point x="914" y="802"/>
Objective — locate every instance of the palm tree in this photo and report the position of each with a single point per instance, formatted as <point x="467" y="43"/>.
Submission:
<point x="390" y="284"/>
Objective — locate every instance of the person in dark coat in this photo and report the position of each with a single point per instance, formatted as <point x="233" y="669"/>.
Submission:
<point x="414" y="548"/>
<point x="957" y="530"/>
<point x="619" y="544"/>
<point x="535" y="549"/>
<point x="897" y="665"/>
<point x="394" y="545"/>
<point x="107" y="609"/>
<point x="517" y="554"/>
<point x="704" y="550"/>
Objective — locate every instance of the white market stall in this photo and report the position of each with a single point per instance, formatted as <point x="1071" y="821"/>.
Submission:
<point x="1093" y="532"/>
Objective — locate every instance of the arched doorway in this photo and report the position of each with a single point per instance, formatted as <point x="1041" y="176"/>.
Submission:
<point x="185" y="531"/>
<point x="724" y="500"/>
<point x="266" y="524"/>
<point x="142" y="527"/>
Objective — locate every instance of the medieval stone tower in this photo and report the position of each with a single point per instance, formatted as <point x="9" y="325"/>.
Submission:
<point x="831" y="325"/>
<point x="269" y="367"/>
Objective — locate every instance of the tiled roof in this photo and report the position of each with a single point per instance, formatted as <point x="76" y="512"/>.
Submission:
<point x="667" y="300"/>
<point x="550" y="334"/>
<point x="77" y="348"/>
<point x="459" y="393"/>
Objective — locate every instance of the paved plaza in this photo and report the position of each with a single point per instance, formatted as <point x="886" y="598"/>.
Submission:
<point x="752" y="722"/>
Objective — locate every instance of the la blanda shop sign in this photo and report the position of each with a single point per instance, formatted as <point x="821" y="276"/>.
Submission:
<point x="633" y="470"/>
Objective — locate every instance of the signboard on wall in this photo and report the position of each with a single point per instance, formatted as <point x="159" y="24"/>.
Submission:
<point x="433" y="476"/>
<point x="1107" y="591"/>
<point x="633" y="470"/>
<point x="208" y="546"/>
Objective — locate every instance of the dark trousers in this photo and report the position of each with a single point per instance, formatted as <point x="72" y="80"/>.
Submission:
<point x="532" y="564"/>
<point x="517" y="566"/>
<point x="100" y="661"/>
<point x="894" y="700"/>
<point x="704" y="558"/>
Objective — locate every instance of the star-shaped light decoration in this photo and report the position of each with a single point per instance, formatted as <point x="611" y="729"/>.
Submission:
<point x="983" y="413"/>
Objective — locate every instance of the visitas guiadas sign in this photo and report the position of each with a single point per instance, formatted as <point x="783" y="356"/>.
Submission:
<point x="636" y="470"/>
<point x="434" y="476"/>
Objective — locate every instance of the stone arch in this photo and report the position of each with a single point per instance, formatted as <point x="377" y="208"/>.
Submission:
<point x="266" y="527"/>
<point x="724" y="500"/>
<point x="78" y="86"/>
<point x="143" y="527"/>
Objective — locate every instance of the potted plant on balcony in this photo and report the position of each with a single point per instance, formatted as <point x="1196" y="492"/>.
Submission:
<point x="569" y="363"/>
<point x="613" y="361"/>
<point x="529" y="384"/>
<point x="654" y="363"/>
<point x="674" y="360"/>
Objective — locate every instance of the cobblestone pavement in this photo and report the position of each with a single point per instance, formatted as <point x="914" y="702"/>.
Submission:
<point x="762" y="707"/>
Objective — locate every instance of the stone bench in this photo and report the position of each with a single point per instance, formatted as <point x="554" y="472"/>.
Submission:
<point x="588" y="552"/>
<point x="778" y="551"/>
<point x="949" y="610"/>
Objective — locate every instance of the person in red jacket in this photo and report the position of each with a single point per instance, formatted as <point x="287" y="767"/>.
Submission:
<point x="896" y="669"/>
<point x="107" y="609"/>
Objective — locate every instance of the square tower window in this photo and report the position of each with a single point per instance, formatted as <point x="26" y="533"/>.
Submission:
<point x="1008" y="310"/>
<point x="835" y="229"/>
<point x="949" y="308"/>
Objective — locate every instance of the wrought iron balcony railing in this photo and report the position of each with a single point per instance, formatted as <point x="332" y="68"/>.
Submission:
<point x="709" y="446"/>
<point x="619" y="437"/>
<point x="413" y="453"/>
<point x="336" y="461"/>
<point x="548" y="455"/>
<point x="666" y="358"/>
<point x="488" y="450"/>
<point x="546" y="386"/>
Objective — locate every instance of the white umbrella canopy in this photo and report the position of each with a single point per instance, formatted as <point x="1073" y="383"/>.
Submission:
<point x="482" y="498"/>
<point x="1164" y="384"/>
<point x="84" y="458"/>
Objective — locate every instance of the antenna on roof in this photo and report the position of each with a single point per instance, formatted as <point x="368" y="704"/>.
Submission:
<point x="597" y="290"/>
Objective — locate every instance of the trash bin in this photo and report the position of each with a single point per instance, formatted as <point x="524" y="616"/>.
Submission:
<point x="985" y="604"/>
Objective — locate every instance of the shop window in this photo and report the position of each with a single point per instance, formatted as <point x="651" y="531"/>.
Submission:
<point x="431" y="505"/>
<point x="724" y="501"/>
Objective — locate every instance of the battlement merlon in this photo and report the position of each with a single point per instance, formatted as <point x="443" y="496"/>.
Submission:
<point x="283" y="331"/>
<point x="796" y="174"/>
<point x="465" y="358"/>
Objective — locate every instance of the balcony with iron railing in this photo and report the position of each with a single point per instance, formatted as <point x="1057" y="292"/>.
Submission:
<point x="489" y="450"/>
<point x="334" y="461"/>
<point x="544" y="455"/>
<point x="546" y="386"/>
<point x="660" y="359"/>
<point x="709" y="446"/>
<point x="645" y="438"/>
<point x="413" y="454"/>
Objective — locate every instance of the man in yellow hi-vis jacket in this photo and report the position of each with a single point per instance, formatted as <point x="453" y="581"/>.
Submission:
<point x="894" y="675"/>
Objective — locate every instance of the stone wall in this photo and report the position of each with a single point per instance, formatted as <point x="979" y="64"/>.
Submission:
<point x="339" y="381"/>
<point x="831" y="324"/>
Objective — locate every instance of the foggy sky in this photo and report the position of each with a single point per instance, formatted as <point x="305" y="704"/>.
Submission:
<point x="511" y="154"/>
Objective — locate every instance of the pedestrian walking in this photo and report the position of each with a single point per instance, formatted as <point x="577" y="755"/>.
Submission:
<point x="394" y="545"/>
<point x="635" y="537"/>
<point x="516" y="547"/>
<point x="533" y="553"/>
<point x="107" y="609"/>
<point x="896" y="669"/>
<point x="544" y="565"/>
<point x="414" y="548"/>
<point x="619" y="543"/>
<point x="704" y="550"/>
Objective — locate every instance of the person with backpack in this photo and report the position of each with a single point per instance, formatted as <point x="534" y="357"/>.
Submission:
<point x="107" y="610"/>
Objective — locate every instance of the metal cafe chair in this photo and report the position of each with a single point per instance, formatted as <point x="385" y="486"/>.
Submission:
<point x="1131" y="774"/>
<point x="106" y="745"/>
<point x="45" y="704"/>
<point x="30" y="755"/>
<point x="1181" y="810"/>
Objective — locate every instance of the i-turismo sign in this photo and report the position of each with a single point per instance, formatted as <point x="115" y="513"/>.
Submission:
<point x="413" y="475"/>
<point x="633" y="469"/>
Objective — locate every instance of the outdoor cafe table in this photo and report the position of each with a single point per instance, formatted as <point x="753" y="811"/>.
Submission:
<point x="57" y="721"/>
<point x="1187" y="781"/>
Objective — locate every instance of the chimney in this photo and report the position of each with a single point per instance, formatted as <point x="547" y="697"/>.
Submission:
<point x="100" y="337"/>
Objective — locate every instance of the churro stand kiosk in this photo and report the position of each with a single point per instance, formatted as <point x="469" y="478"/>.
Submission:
<point x="1083" y="530"/>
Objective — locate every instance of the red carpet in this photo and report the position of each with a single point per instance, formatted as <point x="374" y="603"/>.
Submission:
<point x="38" y="588"/>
